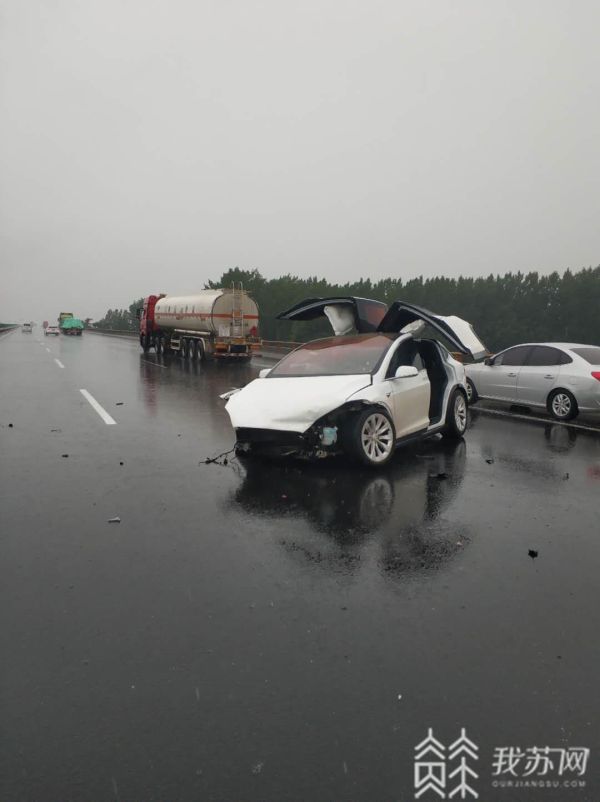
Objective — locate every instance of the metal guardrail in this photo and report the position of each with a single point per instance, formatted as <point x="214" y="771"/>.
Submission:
<point x="270" y="345"/>
<point x="115" y="332"/>
<point x="6" y="329"/>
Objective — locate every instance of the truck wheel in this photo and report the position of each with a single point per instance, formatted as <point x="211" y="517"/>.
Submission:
<point x="159" y="345"/>
<point x="193" y="350"/>
<point x="201" y="353"/>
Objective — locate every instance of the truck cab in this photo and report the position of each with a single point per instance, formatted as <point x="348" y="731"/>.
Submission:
<point x="145" y="315"/>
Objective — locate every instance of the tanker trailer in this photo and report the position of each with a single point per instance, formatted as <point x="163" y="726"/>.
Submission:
<point x="220" y="323"/>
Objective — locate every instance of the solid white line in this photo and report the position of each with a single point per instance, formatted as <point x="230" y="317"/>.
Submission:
<point x="59" y="363"/>
<point x="150" y="362"/>
<point x="100" y="410"/>
<point x="530" y="418"/>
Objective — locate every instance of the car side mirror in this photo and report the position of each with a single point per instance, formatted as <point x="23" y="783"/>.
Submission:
<point x="264" y="373"/>
<point x="405" y="372"/>
<point x="488" y="361"/>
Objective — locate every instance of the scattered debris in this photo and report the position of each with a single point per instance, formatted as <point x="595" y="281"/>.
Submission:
<point x="64" y="456"/>
<point x="10" y="425"/>
<point x="56" y="430"/>
<point x="566" y="476"/>
<point x="220" y="459"/>
<point x="121" y="463"/>
<point x="440" y="475"/>
<point x="490" y="461"/>
<point x="119" y="404"/>
<point x="532" y="553"/>
<point x="257" y="768"/>
<point x="115" y="520"/>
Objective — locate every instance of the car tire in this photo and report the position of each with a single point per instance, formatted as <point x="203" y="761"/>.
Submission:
<point x="472" y="396"/>
<point x="201" y="353"/>
<point x="456" y="416"/>
<point x="372" y="437"/>
<point x="562" y="405"/>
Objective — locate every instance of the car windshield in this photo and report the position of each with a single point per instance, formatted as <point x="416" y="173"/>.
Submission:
<point x="335" y="356"/>
<point x="591" y="354"/>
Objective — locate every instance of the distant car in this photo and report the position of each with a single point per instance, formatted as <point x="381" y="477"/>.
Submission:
<point x="27" y="327"/>
<point x="362" y="392"/>
<point x="563" y="378"/>
<point x="52" y="330"/>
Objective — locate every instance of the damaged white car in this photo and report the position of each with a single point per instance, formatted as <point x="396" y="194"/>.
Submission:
<point x="374" y="385"/>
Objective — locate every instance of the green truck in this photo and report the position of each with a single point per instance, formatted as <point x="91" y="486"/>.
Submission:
<point x="69" y="324"/>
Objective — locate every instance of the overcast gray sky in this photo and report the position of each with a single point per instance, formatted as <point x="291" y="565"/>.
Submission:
<point x="147" y="145"/>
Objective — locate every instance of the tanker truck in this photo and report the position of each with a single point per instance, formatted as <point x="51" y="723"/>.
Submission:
<point x="220" y="323"/>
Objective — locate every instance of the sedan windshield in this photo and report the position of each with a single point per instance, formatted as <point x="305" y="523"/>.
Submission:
<point x="335" y="356"/>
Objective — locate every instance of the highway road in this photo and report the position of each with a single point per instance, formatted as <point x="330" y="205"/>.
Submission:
<point x="278" y="633"/>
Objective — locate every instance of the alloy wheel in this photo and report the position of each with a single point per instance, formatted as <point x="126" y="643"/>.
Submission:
<point x="460" y="412"/>
<point x="377" y="437"/>
<point x="561" y="405"/>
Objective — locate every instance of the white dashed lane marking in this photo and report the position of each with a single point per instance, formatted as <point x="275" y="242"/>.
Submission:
<point x="99" y="409"/>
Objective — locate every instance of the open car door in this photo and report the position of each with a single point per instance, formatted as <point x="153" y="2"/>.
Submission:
<point x="457" y="331"/>
<point x="345" y="314"/>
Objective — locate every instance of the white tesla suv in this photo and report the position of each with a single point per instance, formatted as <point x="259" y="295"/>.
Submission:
<point x="375" y="384"/>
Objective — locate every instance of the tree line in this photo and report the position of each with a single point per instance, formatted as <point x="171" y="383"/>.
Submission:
<point x="504" y="310"/>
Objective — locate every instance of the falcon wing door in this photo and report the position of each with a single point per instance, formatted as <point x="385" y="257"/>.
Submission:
<point x="346" y="314"/>
<point x="457" y="331"/>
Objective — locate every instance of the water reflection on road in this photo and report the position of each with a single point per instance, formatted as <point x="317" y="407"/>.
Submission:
<point x="347" y="507"/>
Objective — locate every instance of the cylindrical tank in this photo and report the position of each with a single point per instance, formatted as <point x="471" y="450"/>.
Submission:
<point x="222" y="312"/>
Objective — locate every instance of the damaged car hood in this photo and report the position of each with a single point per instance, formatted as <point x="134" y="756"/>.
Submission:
<point x="291" y="403"/>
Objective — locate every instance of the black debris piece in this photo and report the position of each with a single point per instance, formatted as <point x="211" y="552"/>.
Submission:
<point x="490" y="461"/>
<point x="532" y="553"/>
<point x="115" y="520"/>
<point x="64" y="456"/>
<point x="220" y="459"/>
<point x="440" y="475"/>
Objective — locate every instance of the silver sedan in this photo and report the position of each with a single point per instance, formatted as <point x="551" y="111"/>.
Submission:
<point x="563" y="378"/>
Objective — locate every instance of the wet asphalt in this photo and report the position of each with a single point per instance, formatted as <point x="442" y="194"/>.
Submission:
<point x="277" y="632"/>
